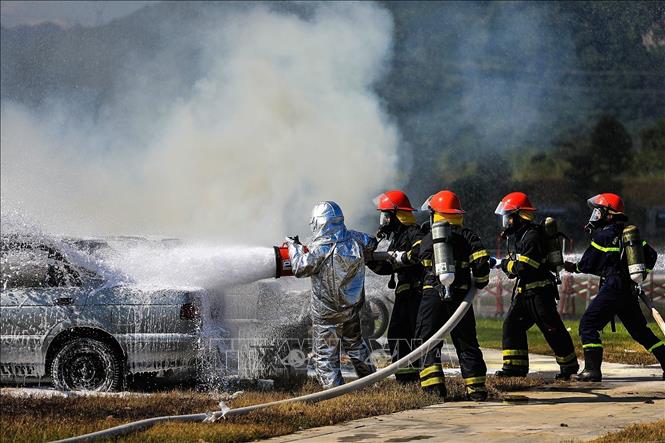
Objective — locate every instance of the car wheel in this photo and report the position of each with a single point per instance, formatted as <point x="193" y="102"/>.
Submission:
<point x="86" y="364"/>
<point x="375" y="318"/>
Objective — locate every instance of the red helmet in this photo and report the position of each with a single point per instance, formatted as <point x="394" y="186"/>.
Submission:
<point x="445" y="202"/>
<point x="611" y="202"/>
<point x="513" y="202"/>
<point x="392" y="201"/>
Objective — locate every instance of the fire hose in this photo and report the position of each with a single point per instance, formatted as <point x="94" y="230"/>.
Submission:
<point x="310" y="398"/>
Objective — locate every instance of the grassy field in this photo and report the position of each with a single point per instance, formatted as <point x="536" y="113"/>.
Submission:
<point x="619" y="347"/>
<point x="647" y="432"/>
<point x="46" y="419"/>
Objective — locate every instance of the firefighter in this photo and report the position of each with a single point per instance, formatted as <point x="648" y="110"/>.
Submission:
<point x="397" y="223"/>
<point x="534" y="294"/>
<point x="335" y="261"/>
<point x="618" y="293"/>
<point x="438" y="302"/>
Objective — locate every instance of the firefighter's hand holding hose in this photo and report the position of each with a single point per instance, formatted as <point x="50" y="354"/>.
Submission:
<point x="294" y="239"/>
<point x="569" y="266"/>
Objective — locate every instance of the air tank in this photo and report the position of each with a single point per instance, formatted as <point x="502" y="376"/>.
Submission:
<point x="634" y="250"/>
<point x="444" y="262"/>
<point x="553" y="244"/>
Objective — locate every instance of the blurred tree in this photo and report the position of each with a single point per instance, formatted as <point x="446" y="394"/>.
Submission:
<point x="650" y="159"/>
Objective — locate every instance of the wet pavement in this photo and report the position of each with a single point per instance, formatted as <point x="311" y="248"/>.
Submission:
<point x="558" y="412"/>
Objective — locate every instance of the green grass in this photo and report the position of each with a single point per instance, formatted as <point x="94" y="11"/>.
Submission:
<point x="619" y="347"/>
<point x="47" y="419"/>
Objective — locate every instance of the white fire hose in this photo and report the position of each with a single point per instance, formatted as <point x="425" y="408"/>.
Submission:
<point x="310" y="398"/>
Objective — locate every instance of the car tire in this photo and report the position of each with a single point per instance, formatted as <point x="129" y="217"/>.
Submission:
<point x="375" y="319"/>
<point x="87" y="364"/>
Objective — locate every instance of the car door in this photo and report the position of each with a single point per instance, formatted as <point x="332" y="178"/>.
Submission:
<point x="38" y="292"/>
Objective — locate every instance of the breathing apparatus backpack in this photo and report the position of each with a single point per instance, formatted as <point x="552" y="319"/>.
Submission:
<point x="553" y="246"/>
<point x="632" y="248"/>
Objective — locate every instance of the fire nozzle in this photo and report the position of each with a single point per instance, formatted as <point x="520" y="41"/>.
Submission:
<point x="282" y="262"/>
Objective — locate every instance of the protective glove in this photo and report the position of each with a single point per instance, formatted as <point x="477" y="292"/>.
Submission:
<point x="504" y="268"/>
<point x="569" y="266"/>
<point x="504" y="265"/>
<point x="294" y="240"/>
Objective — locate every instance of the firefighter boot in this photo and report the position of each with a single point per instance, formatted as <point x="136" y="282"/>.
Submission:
<point x="567" y="369"/>
<point x="593" y="357"/>
<point x="476" y="392"/>
<point x="659" y="353"/>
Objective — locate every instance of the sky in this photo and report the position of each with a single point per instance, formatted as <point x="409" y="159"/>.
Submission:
<point x="65" y="13"/>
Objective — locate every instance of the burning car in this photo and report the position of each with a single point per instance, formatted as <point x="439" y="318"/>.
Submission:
<point x="69" y="322"/>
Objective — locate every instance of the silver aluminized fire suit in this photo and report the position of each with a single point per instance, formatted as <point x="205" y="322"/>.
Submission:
<point x="335" y="262"/>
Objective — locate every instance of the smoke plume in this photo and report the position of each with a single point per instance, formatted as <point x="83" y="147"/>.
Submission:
<point x="230" y="132"/>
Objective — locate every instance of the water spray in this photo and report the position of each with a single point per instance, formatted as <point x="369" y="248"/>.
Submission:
<point x="309" y="398"/>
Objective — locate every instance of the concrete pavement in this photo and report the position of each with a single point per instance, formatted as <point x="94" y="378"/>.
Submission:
<point x="554" y="413"/>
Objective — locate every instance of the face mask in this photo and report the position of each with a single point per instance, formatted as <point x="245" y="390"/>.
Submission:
<point x="384" y="219"/>
<point x="596" y="220"/>
<point x="505" y="221"/>
<point x="596" y="215"/>
<point x="313" y="224"/>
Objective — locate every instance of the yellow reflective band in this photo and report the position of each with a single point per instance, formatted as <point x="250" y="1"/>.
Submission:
<point x="649" y="270"/>
<point x="529" y="261"/>
<point x="429" y="370"/>
<point x="428" y="287"/>
<point x="406" y="371"/>
<point x="426" y="262"/>
<point x="416" y="243"/>
<point x="592" y="345"/>
<point x="474" y="380"/>
<point x="644" y="242"/>
<point x="567" y="358"/>
<point x="515" y="352"/>
<point x="516" y="362"/>
<point x="534" y="285"/>
<point x="482" y="279"/>
<point x="511" y="263"/>
<point x="403" y="287"/>
<point x="603" y="248"/>
<point x="477" y="388"/>
<point x="478" y="254"/>
<point x="660" y="343"/>
<point x="432" y="381"/>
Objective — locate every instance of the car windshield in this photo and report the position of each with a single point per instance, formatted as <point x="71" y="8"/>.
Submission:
<point x="31" y="264"/>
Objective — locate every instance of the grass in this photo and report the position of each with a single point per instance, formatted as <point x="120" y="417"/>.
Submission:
<point x="618" y="346"/>
<point x="42" y="419"/>
<point x="645" y="432"/>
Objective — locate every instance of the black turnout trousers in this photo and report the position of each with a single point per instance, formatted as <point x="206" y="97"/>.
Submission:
<point x="535" y="307"/>
<point x="434" y="312"/>
<point x="402" y="330"/>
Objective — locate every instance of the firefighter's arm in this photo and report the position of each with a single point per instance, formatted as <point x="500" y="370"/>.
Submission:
<point x="306" y="264"/>
<point x="366" y="241"/>
<point x="529" y="260"/>
<point x="380" y="267"/>
<point x="479" y="262"/>
<point x="593" y="259"/>
<point x="414" y="255"/>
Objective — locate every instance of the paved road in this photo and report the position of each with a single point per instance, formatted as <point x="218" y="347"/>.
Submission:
<point x="557" y="412"/>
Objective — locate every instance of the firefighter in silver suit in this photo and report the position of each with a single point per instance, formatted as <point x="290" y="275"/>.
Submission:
<point x="336" y="264"/>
